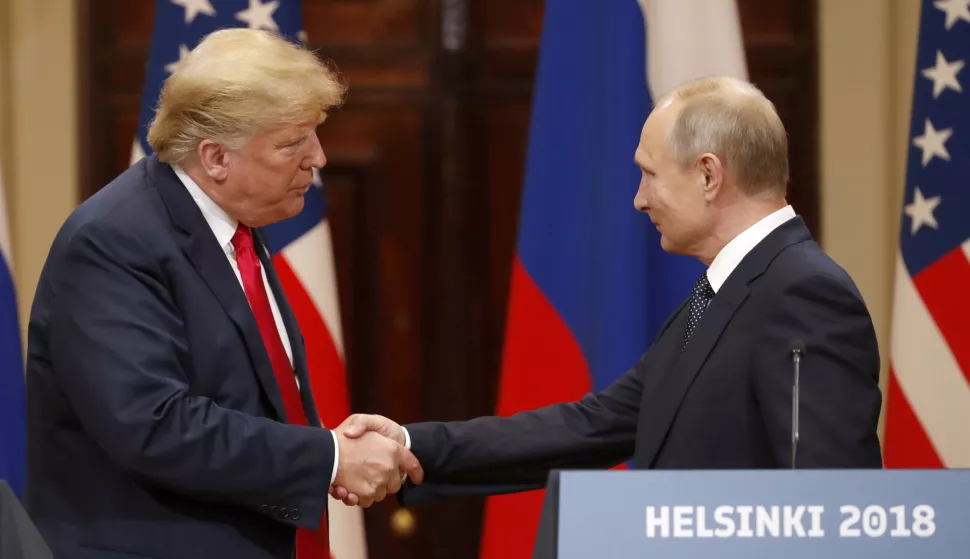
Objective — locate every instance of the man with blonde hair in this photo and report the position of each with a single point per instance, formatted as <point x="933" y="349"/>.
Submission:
<point x="170" y="410"/>
<point x="715" y="388"/>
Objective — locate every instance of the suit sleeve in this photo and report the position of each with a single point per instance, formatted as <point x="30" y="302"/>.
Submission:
<point x="595" y="432"/>
<point x="117" y="346"/>
<point x="838" y="380"/>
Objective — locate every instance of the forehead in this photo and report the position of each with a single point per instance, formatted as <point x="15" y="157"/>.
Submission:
<point x="653" y="135"/>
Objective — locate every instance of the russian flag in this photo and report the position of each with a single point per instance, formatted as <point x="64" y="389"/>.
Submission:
<point x="12" y="422"/>
<point x="590" y="284"/>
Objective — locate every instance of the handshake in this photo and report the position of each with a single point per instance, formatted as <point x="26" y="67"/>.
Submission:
<point x="373" y="461"/>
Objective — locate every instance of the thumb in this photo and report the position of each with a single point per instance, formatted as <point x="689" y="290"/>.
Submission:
<point x="410" y="465"/>
<point x="356" y="426"/>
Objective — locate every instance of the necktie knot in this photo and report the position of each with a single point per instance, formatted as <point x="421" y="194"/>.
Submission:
<point x="703" y="289"/>
<point x="700" y="297"/>
<point x="242" y="239"/>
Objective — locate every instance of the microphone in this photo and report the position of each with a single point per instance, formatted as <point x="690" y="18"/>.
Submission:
<point x="797" y="350"/>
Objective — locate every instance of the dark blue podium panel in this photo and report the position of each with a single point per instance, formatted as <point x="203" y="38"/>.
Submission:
<point x="887" y="514"/>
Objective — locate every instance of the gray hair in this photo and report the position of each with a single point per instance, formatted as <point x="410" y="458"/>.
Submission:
<point x="733" y="120"/>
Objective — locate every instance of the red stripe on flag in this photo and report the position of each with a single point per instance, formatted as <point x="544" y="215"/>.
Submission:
<point x="941" y="286"/>
<point x="906" y="444"/>
<point x="543" y="364"/>
<point x="326" y="368"/>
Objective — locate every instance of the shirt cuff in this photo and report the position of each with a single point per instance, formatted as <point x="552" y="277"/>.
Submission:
<point x="407" y="438"/>
<point x="336" y="457"/>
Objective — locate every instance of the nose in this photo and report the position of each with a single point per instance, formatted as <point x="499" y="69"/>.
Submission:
<point x="317" y="158"/>
<point x="640" y="200"/>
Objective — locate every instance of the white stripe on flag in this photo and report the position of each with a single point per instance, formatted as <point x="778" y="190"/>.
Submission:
<point x="311" y="258"/>
<point x="347" y="539"/>
<point x="6" y="249"/>
<point x="928" y="374"/>
<point x="689" y="39"/>
<point x="136" y="152"/>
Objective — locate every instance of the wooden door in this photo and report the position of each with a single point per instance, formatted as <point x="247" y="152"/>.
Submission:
<point x="425" y="170"/>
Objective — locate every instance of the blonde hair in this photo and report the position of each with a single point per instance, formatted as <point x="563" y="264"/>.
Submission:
<point x="235" y="84"/>
<point x="732" y="119"/>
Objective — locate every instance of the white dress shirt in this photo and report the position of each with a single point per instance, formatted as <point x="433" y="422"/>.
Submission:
<point x="731" y="255"/>
<point x="224" y="228"/>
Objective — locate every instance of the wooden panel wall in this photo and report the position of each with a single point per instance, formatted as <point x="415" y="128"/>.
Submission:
<point x="425" y="170"/>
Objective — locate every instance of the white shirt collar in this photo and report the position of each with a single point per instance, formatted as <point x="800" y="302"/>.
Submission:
<point x="731" y="255"/>
<point x="223" y="226"/>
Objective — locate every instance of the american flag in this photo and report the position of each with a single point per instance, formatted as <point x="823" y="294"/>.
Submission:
<point x="928" y="401"/>
<point x="300" y="246"/>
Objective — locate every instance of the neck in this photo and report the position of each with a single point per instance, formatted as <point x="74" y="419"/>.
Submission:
<point x="735" y="221"/>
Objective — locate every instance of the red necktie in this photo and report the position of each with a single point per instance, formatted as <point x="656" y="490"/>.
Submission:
<point x="309" y="544"/>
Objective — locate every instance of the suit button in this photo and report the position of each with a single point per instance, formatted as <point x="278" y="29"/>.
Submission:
<point x="284" y="514"/>
<point x="295" y="514"/>
<point x="264" y="508"/>
<point x="272" y="509"/>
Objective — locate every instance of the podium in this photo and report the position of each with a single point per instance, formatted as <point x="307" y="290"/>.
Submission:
<point x="19" y="538"/>
<point x="728" y="514"/>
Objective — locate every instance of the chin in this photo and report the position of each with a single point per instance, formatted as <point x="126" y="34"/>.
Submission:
<point x="294" y="207"/>
<point x="669" y="246"/>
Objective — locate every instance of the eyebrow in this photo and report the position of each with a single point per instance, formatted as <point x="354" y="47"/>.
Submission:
<point x="293" y="140"/>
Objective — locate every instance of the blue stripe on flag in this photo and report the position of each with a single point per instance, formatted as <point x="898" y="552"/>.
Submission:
<point x="596" y="259"/>
<point x="12" y="421"/>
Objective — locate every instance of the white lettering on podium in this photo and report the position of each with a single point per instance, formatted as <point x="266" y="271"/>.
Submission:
<point x="816" y="531"/>
<point x="787" y="521"/>
<point x="744" y="511"/>
<point x="742" y="521"/>
<point x="683" y="516"/>
<point x="702" y="530"/>
<point x="655" y="520"/>
<point x="724" y="520"/>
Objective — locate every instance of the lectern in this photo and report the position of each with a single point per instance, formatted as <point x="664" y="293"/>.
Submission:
<point x="19" y="538"/>
<point x="728" y="514"/>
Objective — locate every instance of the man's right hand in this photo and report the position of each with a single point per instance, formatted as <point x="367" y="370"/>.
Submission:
<point x="372" y="466"/>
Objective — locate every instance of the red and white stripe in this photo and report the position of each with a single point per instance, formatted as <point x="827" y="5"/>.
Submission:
<point x="928" y="402"/>
<point x="307" y="272"/>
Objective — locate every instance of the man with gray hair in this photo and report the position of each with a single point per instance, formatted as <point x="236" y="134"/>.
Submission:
<point x="715" y="388"/>
<point x="170" y="413"/>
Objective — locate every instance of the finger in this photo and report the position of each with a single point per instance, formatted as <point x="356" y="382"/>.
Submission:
<point x="339" y="493"/>
<point x="360" y="423"/>
<point x="394" y="482"/>
<point x="351" y="500"/>
<point x="409" y="464"/>
<point x="365" y="502"/>
<point x="380" y="494"/>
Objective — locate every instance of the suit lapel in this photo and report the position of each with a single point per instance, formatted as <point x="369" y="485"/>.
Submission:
<point x="293" y="331"/>
<point x="678" y="370"/>
<point x="209" y="260"/>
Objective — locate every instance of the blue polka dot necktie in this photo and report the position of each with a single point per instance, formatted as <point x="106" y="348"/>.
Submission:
<point x="700" y="297"/>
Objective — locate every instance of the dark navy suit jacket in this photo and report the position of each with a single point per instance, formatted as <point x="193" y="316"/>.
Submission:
<point x="724" y="402"/>
<point x="155" y="425"/>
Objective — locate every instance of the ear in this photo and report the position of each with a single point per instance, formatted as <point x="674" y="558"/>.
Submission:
<point x="712" y="174"/>
<point x="215" y="159"/>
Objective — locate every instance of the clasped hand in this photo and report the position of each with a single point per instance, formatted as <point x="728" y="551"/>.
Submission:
<point x="373" y="461"/>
